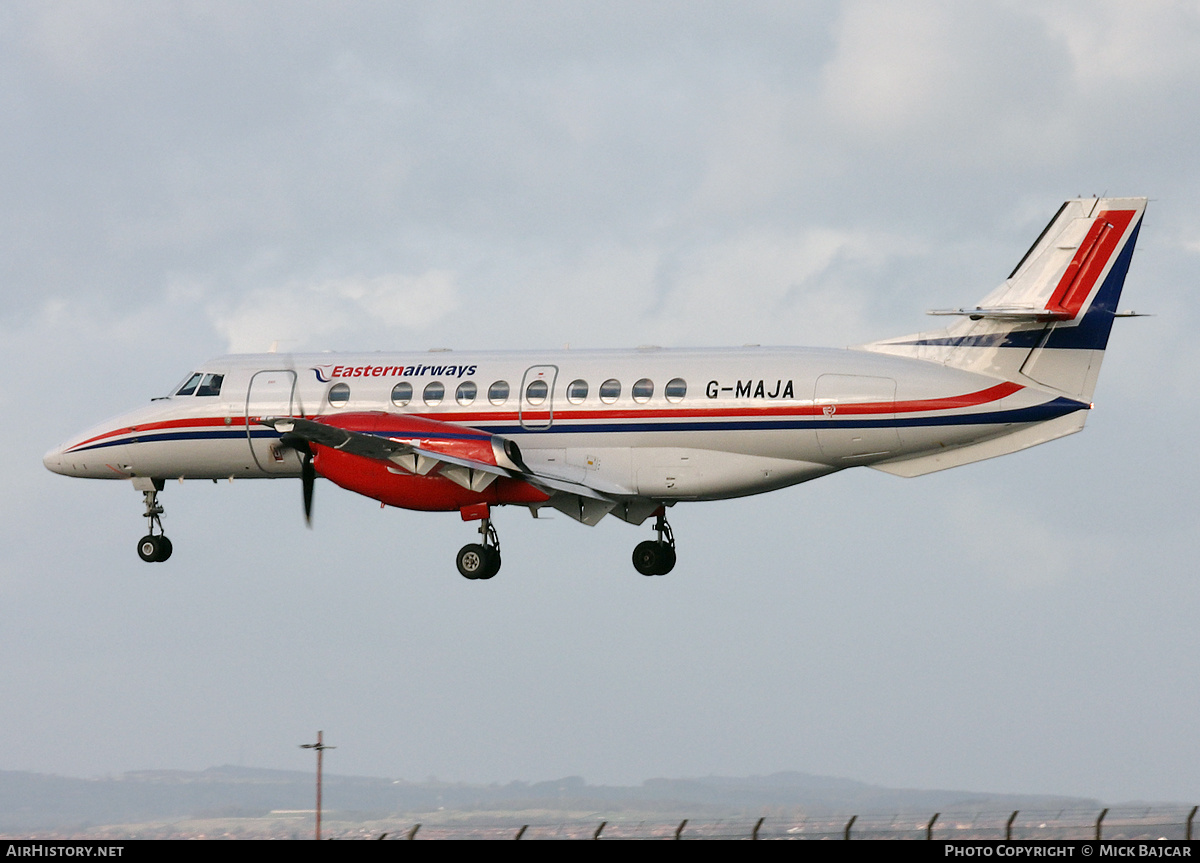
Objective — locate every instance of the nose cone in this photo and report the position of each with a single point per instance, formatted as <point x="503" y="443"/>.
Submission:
<point x="87" y="455"/>
<point x="107" y="450"/>
<point x="53" y="460"/>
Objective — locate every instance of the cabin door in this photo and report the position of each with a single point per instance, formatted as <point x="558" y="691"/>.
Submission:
<point x="271" y="394"/>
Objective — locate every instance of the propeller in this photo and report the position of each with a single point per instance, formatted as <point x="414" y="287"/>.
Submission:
<point x="308" y="477"/>
<point x="272" y="405"/>
<point x="308" y="473"/>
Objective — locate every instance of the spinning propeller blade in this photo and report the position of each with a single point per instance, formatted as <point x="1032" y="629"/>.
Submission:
<point x="308" y="477"/>
<point x="308" y="473"/>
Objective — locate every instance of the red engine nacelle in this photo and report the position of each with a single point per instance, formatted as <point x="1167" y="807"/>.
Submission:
<point x="396" y="486"/>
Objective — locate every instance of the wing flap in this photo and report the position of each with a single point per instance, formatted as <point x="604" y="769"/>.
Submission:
<point x="549" y="483"/>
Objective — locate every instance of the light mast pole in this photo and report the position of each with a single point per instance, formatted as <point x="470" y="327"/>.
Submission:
<point x="320" y="747"/>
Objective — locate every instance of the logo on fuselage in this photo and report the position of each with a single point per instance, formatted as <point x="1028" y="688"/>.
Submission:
<point x="329" y="372"/>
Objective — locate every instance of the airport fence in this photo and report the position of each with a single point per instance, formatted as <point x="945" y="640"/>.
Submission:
<point x="1128" y="822"/>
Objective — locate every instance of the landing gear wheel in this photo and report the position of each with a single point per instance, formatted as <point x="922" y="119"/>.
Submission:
<point x="148" y="548"/>
<point x="493" y="564"/>
<point x="481" y="560"/>
<point x="668" y="559"/>
<point x="656" y="556"/>
<point x="648" y="557"/>
<point x="154" y="549"/>
<point x="475" y="561"/>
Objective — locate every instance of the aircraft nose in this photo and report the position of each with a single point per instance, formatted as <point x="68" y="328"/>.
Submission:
<point x="53" y="460"/>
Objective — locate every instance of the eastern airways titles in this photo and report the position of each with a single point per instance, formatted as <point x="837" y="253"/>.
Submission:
<point x="327" y="373"/>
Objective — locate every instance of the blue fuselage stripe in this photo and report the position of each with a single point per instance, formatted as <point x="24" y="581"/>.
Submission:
<point x="1037" y="413"/>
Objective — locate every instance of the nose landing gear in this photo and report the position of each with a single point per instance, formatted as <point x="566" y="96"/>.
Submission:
<point x="153" y="548"/>
<point x="481" y="560"/>
<point x="656" y="557"/>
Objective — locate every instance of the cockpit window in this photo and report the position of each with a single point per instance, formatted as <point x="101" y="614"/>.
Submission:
<point x="201" y="384"/>
<point x="211" y="385"/>
<point x="190" y="386"/>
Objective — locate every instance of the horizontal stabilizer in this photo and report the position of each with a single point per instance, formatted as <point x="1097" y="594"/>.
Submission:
<point x="1011" y="313"/>
<point x="1047" y="325"/>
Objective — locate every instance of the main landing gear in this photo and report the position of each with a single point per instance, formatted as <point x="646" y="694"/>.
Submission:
<point x="656" y="556"/>
<point x="153" y="548"/>
<point x="481" y="561"/>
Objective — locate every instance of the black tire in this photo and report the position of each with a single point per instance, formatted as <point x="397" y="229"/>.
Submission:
<point x="149" y="548"/>
<point x="165" y="548"/>
<point x="647" y="557"/>
<point x="493" y="564"/>
<point x="668" y="559"/>
<point x="474" y="561"/>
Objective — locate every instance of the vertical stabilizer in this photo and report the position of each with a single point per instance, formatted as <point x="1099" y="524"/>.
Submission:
<point x="1047" y="324"/>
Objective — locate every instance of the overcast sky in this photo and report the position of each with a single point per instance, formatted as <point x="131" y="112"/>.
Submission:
<point x="182" y="180"/>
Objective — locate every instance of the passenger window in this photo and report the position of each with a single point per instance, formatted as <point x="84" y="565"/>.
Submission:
<point x="675" y="390"/>
<point x="435" y="391"/>
<point x="466" y="392"/>
<point x="402" y="394"/>
<point x="577" y="391"/>
<point x="536" y="392"/>
<point x="339" y="394"/>
<point x="190" y="387"/>
<point x="610" y="391"/>
<point x="498" y="392"/>
<point x="643" y="390"/>
<point x="211" y="386"/>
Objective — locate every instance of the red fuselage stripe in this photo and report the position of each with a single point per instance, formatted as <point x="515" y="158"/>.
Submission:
<point x="994" y="393"/>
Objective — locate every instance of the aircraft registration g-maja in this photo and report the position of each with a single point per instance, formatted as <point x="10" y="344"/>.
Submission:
<point x="630" y="433"/>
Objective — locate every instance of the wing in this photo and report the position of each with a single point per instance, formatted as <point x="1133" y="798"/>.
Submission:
<point x="468" y="457"/>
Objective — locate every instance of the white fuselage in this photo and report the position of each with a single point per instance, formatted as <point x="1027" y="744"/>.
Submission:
<point x="629" y="433"/>
<point x="675" y="425"/>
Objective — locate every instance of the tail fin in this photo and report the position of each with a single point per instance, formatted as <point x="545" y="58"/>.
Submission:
<point x="1047" y="325"/>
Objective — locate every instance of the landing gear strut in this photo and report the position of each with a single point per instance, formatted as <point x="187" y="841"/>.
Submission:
<point x="153" y="548"/>
<point x="481" y="561"/>
<point x="656" y="556"/>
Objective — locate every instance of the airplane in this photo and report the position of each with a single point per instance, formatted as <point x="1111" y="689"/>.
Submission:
<point x="630" y="433"/>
